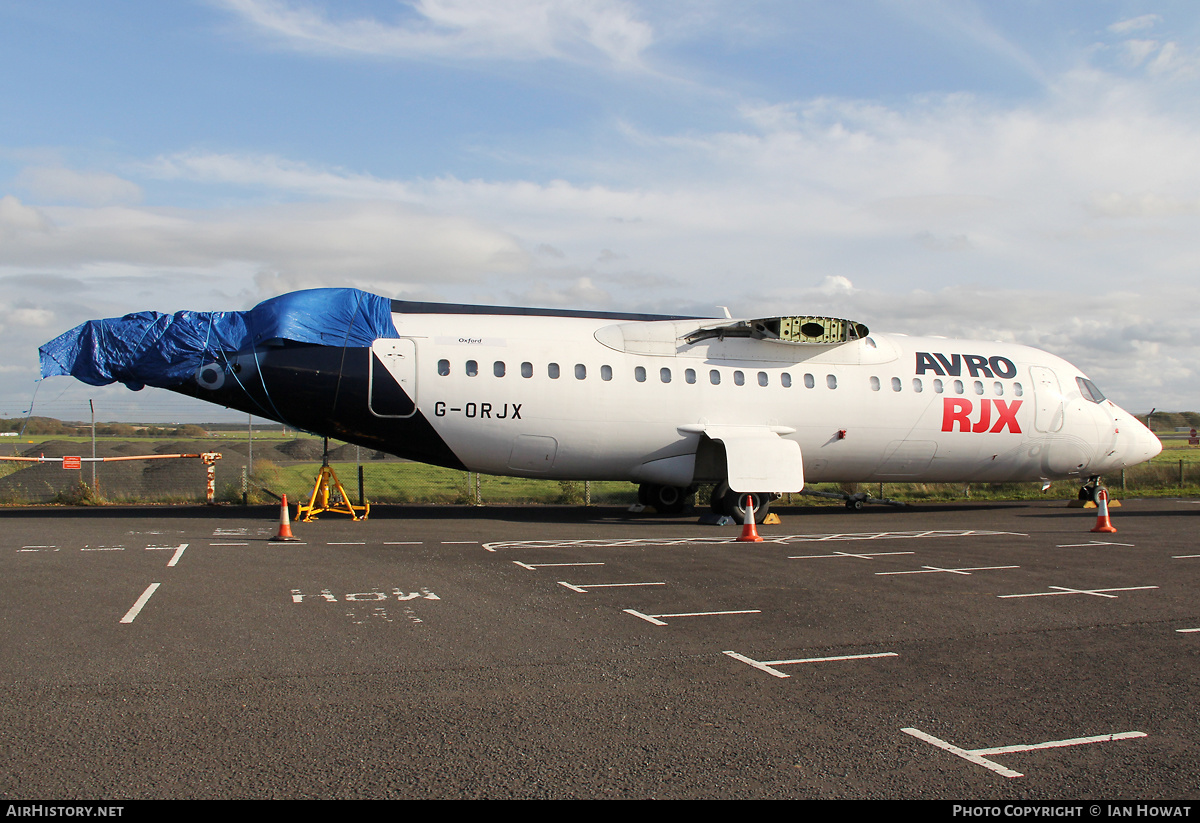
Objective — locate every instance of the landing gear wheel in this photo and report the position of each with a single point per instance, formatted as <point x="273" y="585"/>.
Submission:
<point x="1090" y="492"/>
<point x="855" y="505"/>
<point x="669" y="500"/>
<point x="734" y="505"/>
<point x="716" y="501"/>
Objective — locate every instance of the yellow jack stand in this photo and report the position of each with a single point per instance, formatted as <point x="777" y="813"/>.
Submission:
<point x="320" y="499"/>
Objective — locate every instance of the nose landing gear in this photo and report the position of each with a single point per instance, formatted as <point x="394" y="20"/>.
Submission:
<point x="1090" y="491"/>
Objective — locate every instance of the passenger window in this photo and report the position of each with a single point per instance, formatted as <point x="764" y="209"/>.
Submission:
<point x="472" y="368"/>
<point x="808" y="381"/>
<point x="874" y="383"/>
<point x="937" y="386"/>
<point x="690" y="375"/>
<point x="1017" y="390"/>
<point x="998" y="388"/>
<point x="443" y="367"/>
<point x="762" y="378"/>
<point x="498" y="368"/>
<point x="580" y="371"/>
<point x="785" y="380"/>
<point x="831" y="381"/>
<point x="739" y="379"/>
<point x="639" y="374"/>
<point x="958" y="387"/>
<point x="527" y="370"/>
<point x="895" y="384"/>
<point x="606" y="372"/>
<point x="714" y="377"/>
<point x="978" y="387"/>
<point x="552" y="371"/>
<point x="918" y="386"/>
<point x="664" y="375"/>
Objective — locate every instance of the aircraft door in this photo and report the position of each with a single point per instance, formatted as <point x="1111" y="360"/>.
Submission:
<point x="1049" y="398"/>
<point x="392" y="378"/>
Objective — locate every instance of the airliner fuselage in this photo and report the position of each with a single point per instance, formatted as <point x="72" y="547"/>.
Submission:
<point x="752" y="405"/>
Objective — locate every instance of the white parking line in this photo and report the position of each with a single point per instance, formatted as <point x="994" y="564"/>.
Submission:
<point x="141" y="601"/>
<point x="863" y="556"/>
<point x="768" y="665"/>
<point x="1089" y="544"/>
<point x="936" y="569"/>
<point x="654" y="618"/>
<point x="178" y="552"/>
<point x="1065" y="590"/>
<point x="583" y="588"/>
<point x="1187" y="631"/>
<point x="976" y="755"/>
<point x="784" y="539"/>
<point x="535" y="566"/>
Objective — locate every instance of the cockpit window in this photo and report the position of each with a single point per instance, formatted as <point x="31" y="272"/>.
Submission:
<point x="1089" y="391"/>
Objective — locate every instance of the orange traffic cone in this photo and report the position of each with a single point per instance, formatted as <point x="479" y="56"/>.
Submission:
<point x="749" y="533"/>
<point x="285" y="525"/>
<point x="1102" y="522"/>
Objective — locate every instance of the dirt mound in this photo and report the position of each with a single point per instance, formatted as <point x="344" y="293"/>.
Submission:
<point x="308" y="450"/>
<point x="348" y="454"/>
<point x="62" y="448"/>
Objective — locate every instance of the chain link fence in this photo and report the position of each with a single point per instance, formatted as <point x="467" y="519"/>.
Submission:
<point x="261" y="470"/>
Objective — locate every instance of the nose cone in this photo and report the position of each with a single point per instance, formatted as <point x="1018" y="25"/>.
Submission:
<point x="1135" y="443"/>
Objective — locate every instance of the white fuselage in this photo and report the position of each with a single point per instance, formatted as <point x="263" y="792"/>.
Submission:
<point x="569" y="397"/>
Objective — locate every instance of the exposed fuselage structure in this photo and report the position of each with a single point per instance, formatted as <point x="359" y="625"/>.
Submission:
<point x="759" y="405"/>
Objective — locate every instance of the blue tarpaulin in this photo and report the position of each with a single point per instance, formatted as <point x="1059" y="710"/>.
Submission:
<point x="150" y="348"/>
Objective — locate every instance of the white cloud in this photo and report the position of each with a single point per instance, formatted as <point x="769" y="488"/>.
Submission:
<point x="1136" y="51"/>
<point x="30" y="317"/>
<point x="276" y="174"/>
<point x="17" y="218"/>
<point x="1145" y="21"/>
<point x="306" y="244"/>
<point x="459" y="30"/>
<point x="62" y="185"/>
<point x="954" y="215"/>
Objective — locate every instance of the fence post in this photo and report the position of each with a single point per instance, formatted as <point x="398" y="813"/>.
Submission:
<point x="1181" y="474"/>
<point x="1122" y="481"/>
<point x="245" y="488"/>
<point x="587" y="492"/>
<point x="478" y="493"/>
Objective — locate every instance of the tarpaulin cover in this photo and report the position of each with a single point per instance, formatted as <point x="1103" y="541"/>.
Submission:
<point x="150" y="348"/>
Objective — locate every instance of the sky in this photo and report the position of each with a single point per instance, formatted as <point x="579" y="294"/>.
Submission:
<point x="1019" y="170"/>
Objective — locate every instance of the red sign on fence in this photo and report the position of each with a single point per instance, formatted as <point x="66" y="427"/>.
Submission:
<point x="72" y="462"/>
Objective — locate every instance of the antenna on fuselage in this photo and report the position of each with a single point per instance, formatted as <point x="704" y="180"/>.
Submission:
<point x="725" y="309"/>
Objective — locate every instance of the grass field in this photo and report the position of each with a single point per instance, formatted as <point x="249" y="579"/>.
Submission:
<point x="289" y="465"/>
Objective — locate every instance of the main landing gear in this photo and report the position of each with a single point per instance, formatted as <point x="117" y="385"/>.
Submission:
<point x="673" y="500"/>
<point x="734" y="504"/>
<point x="668" y="500"/>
